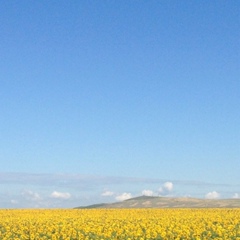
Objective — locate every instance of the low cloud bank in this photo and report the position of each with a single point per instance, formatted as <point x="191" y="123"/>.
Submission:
<point x="236" y="195"/>
<point x="147" y="193"/>
<point x="164" y="190"/>
<point x="123" y="196"/>
<point x="30" y="190"/>
<point x="212" y="195"/>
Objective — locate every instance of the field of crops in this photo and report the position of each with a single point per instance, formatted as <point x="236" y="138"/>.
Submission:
<point x="120" y="224"/>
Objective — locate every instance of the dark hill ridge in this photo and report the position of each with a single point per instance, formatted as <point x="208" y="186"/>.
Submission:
<point x="167" y="202"/>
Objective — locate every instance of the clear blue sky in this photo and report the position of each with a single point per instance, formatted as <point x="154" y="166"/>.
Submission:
<point x="143" y="91"/>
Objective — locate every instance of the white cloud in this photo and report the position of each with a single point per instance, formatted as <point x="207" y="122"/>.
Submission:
<point x="60" y="195"/>
<point x="42" y="185"/>
<point x="32" y="196"/>
<point x="166" y="188"/>
<point x="107" y="193"/>
<point x="147" y="192"/>
<point x="212" y="195"/>
<point x="236" y="195"/>
<point x="13" y="201"/>
<point x="124" y="196"/>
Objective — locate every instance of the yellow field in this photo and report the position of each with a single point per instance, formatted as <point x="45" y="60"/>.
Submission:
<point x="120" y="224"/>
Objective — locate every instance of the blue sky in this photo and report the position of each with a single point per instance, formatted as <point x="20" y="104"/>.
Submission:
<point x="103" y="100"/>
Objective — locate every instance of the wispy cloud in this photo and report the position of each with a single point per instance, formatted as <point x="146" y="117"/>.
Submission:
<point x="236" y="195"/>
<point x="30" y="199"/>
<point x="30" y="195"/>
<point x="107" y="194"/>
<point x="14" y="201"/>
<point x="81" y="180"/>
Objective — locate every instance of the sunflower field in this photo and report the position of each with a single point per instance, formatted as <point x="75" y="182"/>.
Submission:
<point x="122" y="224"/>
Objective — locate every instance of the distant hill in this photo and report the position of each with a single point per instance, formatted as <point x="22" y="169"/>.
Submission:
<point x="167" y="202"/>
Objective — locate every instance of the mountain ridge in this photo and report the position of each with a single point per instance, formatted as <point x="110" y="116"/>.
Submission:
<point x="167" y="202"/>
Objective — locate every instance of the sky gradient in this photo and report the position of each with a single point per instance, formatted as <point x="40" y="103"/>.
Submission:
<point x="139" y="94"/>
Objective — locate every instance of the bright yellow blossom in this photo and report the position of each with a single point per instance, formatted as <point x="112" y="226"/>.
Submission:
<point x="120" y="224"/>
